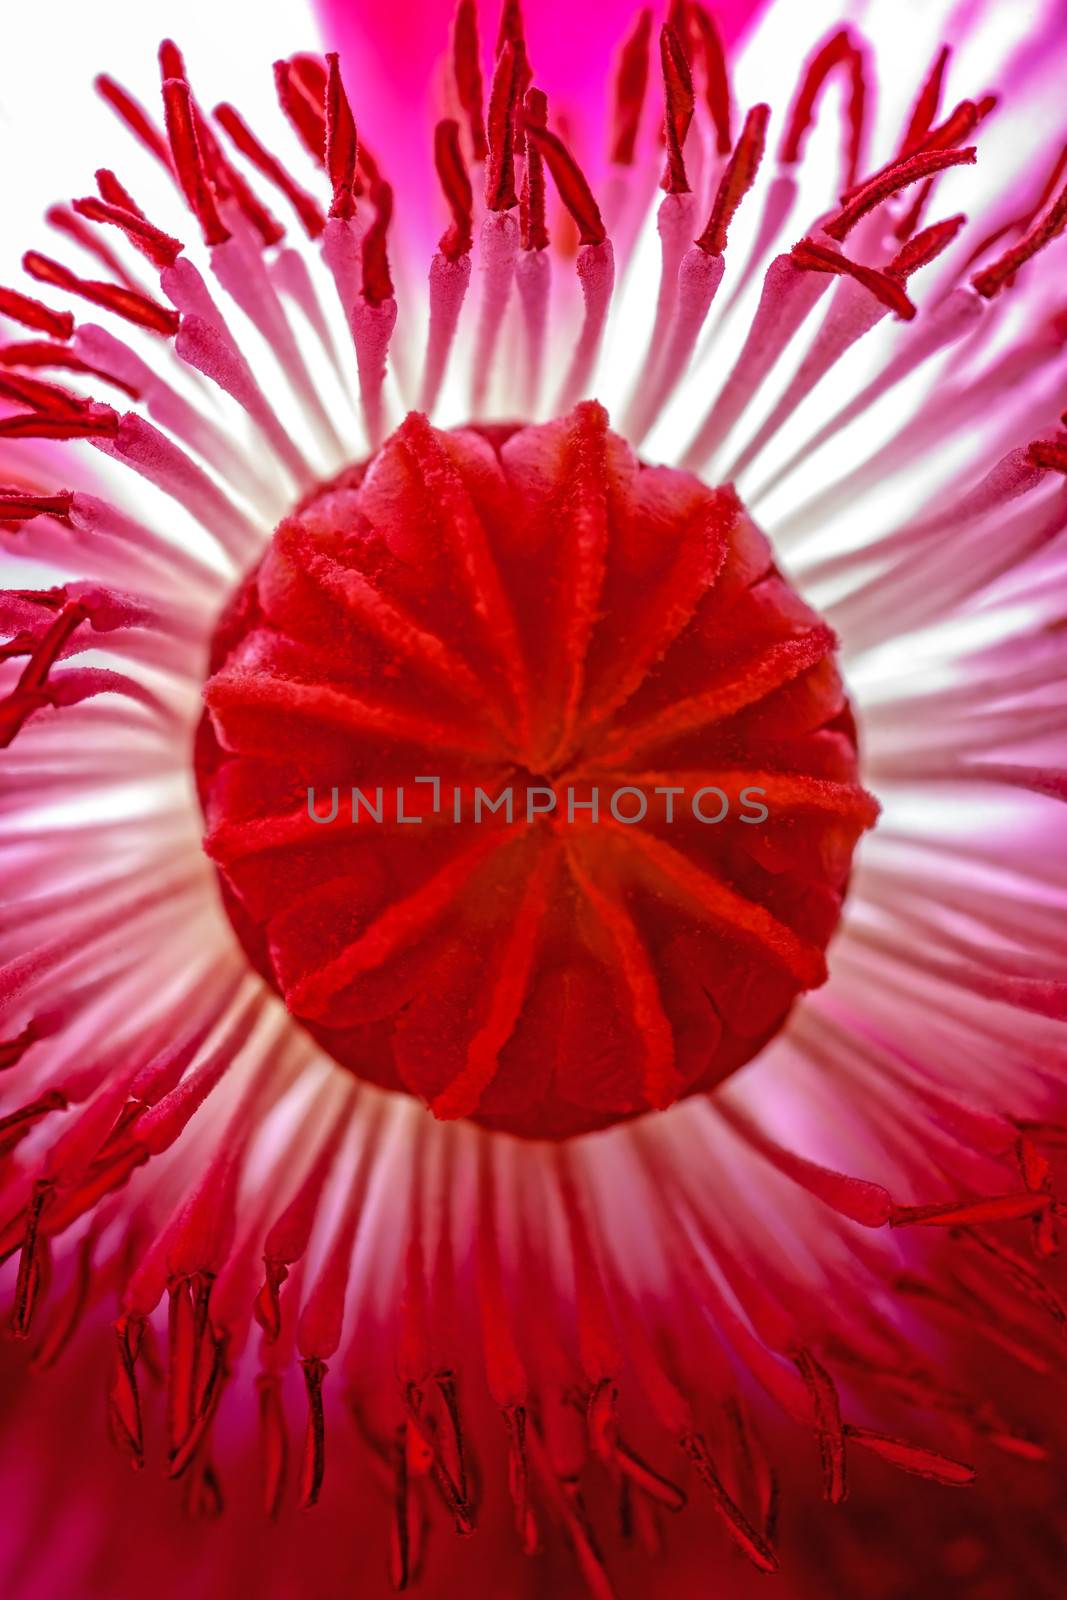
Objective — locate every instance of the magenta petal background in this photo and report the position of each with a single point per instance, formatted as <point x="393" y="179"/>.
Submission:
<point x="390" y="54"/>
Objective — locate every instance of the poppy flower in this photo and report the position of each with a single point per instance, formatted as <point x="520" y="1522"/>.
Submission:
<point x="531" y="979"/>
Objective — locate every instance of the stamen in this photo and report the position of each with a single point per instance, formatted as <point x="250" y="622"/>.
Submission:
<point x="137" y="308"/>
<point x="306" y="115"/>
<point x="377" y="282"/>
<point x="124" y="1401"/>
<point x="534" y="233"/>
<point x="845" y="325"/>
<point x="499" y="248"/>
<point x="972" y="1213"/>
<point x="115" y="193"/>
<point x="912" y="169"/>
<point x="1025" y="220"/>
<point x="340" y="145"/>
<point x="913" y="1458"/>
<point x="16" y="506"/>
<point x="736" y="181"/>
<point x="824" y="1399"/>
<point x="925" y="247"/>
<point x="305" y="206"/>
<point x="992" y="279"/>
<point x="504" y="99"/>
<point x="171" y="60"/>
<point x="135" y="117"/>
<point x="467" y="71"/>
<point x="716" y="74"/>
<point x="680" y="104"/>
<point x="32" y="314"/>
<point x="838" y="52"/>
<point x="813" y="257"/>
<point x="65" y="221"/>
<point x="450" y="271"/>
<point x="274" y="1442"/>
<point x="313" y="1469"/>
<point x="33" y="1263"/>
<point x="753" y="1544"/>
<point x="570" y="181"/>
<point x="157" y="246"/>
<point x="189" y="161"/>
<point x="925" y="108"/>
<point x="66" y="1316"/>
<point x="631" y="86"/>
<point x="868" y="1204"/>
<point x="1049" y="454"/>
<point x="511" y="29"/>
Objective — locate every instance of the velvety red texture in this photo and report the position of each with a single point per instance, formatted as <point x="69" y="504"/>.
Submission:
<point x="521" y="609"/>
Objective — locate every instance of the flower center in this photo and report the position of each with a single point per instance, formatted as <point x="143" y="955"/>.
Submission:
<point x="530" y="782"/>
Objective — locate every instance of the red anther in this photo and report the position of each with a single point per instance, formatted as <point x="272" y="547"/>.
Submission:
<point x="377" y="281"/>
<point x="124" y="1403"/>
<point x="274" y="1442"/>
<point x="657" y="1486"/>
<point x="823" y="1391"/>
<point x="813" y="257"/>
<point x="992" y="279"/>
<point x="32" y="314"/>
<point x="66" y="1316"/>
<point x="134" y="116"/>
<point x="39" y="353"/>
<point x="737" y="180"/>
<point x="912" y="169"/>
<point x="455" y="181"/>
<point x="678" y="92"/>
<point x="1049" y="454"/>
<point x="925" y="247"/>
<point x="48" y="648"/>
<point x="467" y="71"/>
<point x="33" y="1263"/>
<point x="532" y="200"/>
<point x="570" y="181"/>
<point x="306" y="115"/>
<point x="16" y="506"/>
<point x="971" y="1213"/>
<point x="1025" y="219"/>
<point x="960" y="124"/>
<point x="64" y="220"/>
<point x="171" y="61"/>
<point x="912" y="1458"/>
<point x="102" y="423"/>
<point x="504" y="98"/>
<point x="133" y="306"/>
<point x="314" y="1464"/>
<point x="306" y="208"/>
<point x="511" y="30"/>
<point x="401" y="1555"/>
<point x="679" y="19"/>
<point x="716" y="75"/>
<point x="631" y="86"/>
<point x="340" y="143"/>
<point x="115" y="193"/>
<point x="266" y="225"/>
<point x="754" y="1545"/>
<point x="925" y="109"/>
<point x="157" y="246"/>
<point x="189" y="160"/>
<point x="47" y="397"/>
<point x="838" y="51"/>
<point x="192" y="1368"/>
